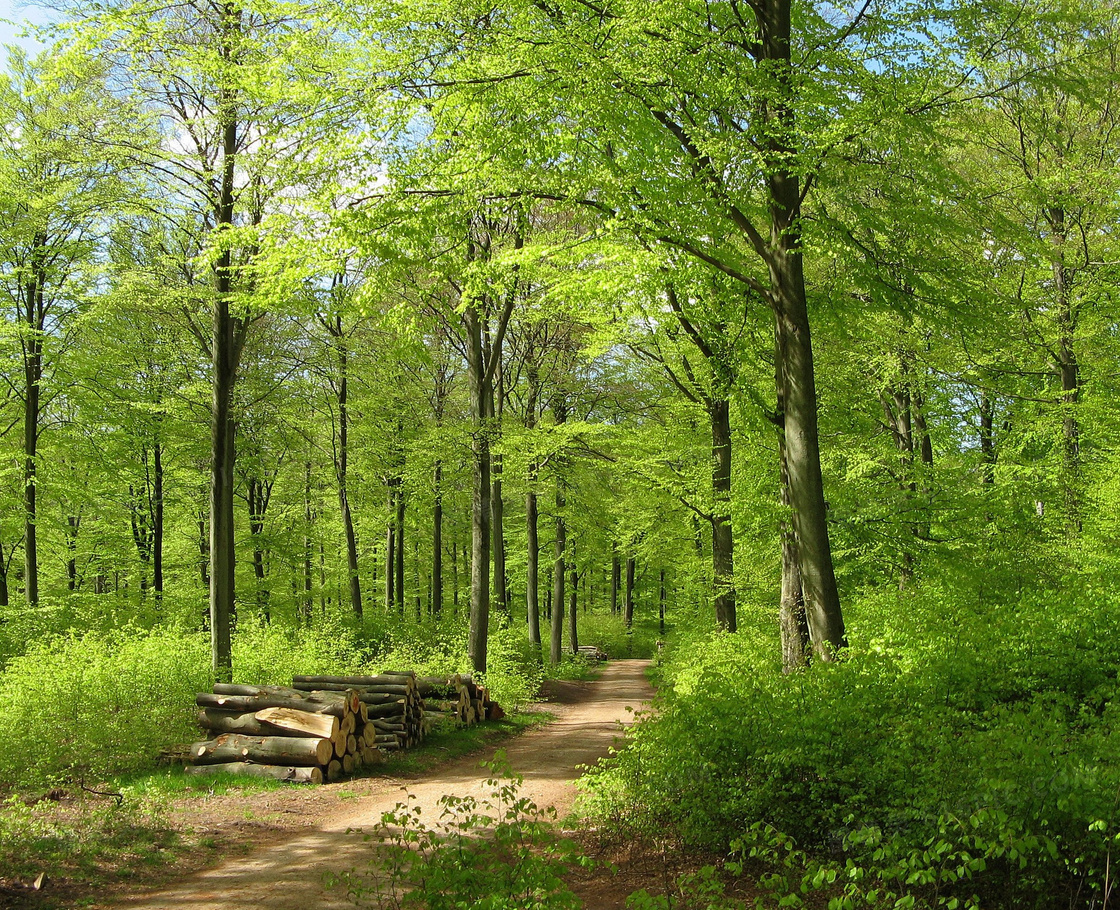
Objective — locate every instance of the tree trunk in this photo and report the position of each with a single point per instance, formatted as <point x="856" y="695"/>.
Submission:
<point x="390" y="549"/>
<point x="481" y="395"/>
<point x="556" y="641"/>
<point x="157" y="529"/>
<point x="661" y="606"/>
<point x="787" y="290"/>
<point x="616" y="581"/>
<point x="258" y="505"/>
<point x="307" y="545"/>
<point x="341" y="467"/>
<point x="532" y="574"/>
<point x="437" y="541"/>
<point x="792" y="622"/>
<point x="987" y="440"/>
<point x="1069" y="370"/>
<point x="497" y="505"/>
<point x="73" y="526"/>
<point x="225" y="351"/>
<point x="723" y="543"/>
<point x="33" y="376"/>
<point x="399" y="569"/>
<point x="573" y="587"/>
<point x="628" y="595"/>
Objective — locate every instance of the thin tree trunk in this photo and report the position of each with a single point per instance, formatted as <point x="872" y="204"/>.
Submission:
<point x="987" y="440"/>
<point x="573" y="613"/>
<point x="497" y="504"/>
<point x="33" y="376"/>
<point x="1069" y="371"/>
<point x="308" y="602"/>
<point x="390" y="549"/>
<point x="661" y="605"/>
<point x="157" y="530"/>
<point x="616" y="581"/>
<point x="532" y="554"/>
<point x="628" y="596"/>
<point x="481" y="395"/>
<point x="723" y="542"/>
<point x="437" y="541"/>
<point x="556" y="641"/>
<point x="401" y="517"/>
<point x="73" y="525"/>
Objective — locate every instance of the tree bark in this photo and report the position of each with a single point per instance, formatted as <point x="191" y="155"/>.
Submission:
<point x="628" y="596"/>
<point x="437" y="541"/>
<point x="661" y="605"/>
<point x="228" y="335"/>
<point x="787" y="293"/>
<point x="390" y="549"/>
<point x="481" y="395"/>
<point x="723" y="543"/>
<point x="555" y="653"/>
<point x="532" y="576"/>
<point x="616" y="581"/>
<point x="32" y="344"/>
<point x="573" y="613"/>
<point x="401" y="517"/>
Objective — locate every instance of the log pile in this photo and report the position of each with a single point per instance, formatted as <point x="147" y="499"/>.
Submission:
<point x="324" y="727"/>
<point x="287" y="734"/>
<point x="391" y="701"/>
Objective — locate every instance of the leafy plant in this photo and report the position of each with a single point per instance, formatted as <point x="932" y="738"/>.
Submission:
<point x="497" y="852"/>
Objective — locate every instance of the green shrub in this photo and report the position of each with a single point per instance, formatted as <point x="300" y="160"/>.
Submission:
<point x="79" y="708"/>
<point x="955" y="729"/>
<point x="494" y="853"/>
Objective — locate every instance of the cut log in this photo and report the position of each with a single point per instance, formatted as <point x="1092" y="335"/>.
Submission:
<point x="356" y="682"/>
<point x="250" y="704"/>
<point x="305" y="722"/>
<point x="304" y="775"/>
<point x="264" y="750"/>
<point x="334" y="770"/>
<point x="348" y="764"/>
<point x="384" y="688"/>
<point x="392" y="709"/>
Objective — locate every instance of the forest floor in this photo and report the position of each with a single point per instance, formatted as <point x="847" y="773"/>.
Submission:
<point x="277" y="849"/>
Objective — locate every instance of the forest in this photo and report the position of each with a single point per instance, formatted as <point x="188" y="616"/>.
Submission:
<point x="776" y="340"/>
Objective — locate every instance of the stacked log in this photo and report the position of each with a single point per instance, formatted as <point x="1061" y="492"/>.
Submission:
<point x="391" y="700"/>
<point x="456" y="699"/>
<point x="287" y="734"/>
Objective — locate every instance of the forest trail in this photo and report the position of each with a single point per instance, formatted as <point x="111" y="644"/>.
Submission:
<point x="290" y="875"/>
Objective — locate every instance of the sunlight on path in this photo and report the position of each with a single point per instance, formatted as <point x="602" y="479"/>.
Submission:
<point x="289" y="876"/>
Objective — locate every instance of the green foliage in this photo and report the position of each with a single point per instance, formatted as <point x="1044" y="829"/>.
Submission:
<point x="78" y="708"/>
<point x="949" y="755"/>
<point x="273" y="654"/>
<point x="79" y="839"/>
<point x="497" y="852"/>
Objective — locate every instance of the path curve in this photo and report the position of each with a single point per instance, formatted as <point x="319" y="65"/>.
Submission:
<point x="290" y="875"/>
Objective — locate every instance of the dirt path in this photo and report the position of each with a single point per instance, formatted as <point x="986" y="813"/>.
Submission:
<point x="289" y="875"/>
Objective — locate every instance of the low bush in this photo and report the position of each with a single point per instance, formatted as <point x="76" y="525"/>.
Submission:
<point x="948" y="756"/>
<point x="82" y="707"/>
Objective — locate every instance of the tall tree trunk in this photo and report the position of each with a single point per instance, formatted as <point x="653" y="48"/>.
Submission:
<point x="33" y="377"/>
<point x="723" y="543"/>
<point x="556" y="641"/>
<point x="157" y="529"/>
<point x="455" y="577"/>
<point x="437" y="541"/>
<point x="661" y="605"/>
<point x="573" y="613"/>
<point x="792" y="622"/>
<point x="497" y="505"/>
<point x="481" y="394"/>
<point x="532" y="554"/>
<point x="532" y="516"/>
<point x="1069" y="370"/>
<point x="73" y="526"/>
<point x="787" y="291"/>
<point x="390" y="549"/>
<point x="341" y="467"/>
<point x="628" y="595"/>
<point x="399" y="569"/>
<point x="258" y="506"/>
<point x="228" y="334"/>
<point x="987" y="440"/>
<point x="616" y="581"/>
<point x="308" y="602"/>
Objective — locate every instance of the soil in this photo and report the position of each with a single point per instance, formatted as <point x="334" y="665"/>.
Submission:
<point x="277" y="849"/>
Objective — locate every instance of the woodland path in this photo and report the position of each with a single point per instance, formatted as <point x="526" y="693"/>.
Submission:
<point x="290" y="875"/>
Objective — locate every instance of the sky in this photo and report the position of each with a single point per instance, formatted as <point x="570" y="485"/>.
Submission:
<point x="17" y="11"/>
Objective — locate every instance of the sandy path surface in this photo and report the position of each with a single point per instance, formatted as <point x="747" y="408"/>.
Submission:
<point x="290" y="875"/>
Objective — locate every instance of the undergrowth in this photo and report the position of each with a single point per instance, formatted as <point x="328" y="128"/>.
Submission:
<point x="949" y="760"/>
